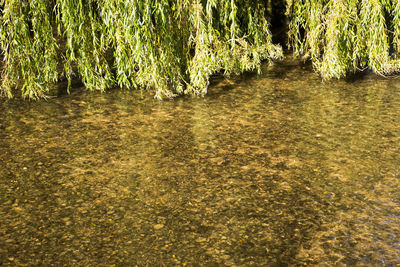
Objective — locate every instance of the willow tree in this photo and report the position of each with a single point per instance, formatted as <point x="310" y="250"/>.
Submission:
<point x="172" y="46"/>
<point x="345" y="36"/>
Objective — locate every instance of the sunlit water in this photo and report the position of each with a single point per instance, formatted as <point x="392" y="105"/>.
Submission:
<point x="271" y="170"/>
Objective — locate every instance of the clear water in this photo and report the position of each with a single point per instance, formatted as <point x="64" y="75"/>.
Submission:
<point x="272" y="170"/>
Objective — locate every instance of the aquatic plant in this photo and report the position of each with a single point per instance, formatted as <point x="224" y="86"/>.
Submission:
<point x="171" y="46"/>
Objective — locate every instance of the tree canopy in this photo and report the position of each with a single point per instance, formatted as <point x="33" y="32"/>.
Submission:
<point x="174" y="46"/>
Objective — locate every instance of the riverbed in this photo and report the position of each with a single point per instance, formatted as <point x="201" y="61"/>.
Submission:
<point x="277" y="169"/>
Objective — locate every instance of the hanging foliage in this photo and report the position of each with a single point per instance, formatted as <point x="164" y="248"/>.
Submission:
<point x="344" y="36"/>
<point x="170" y="46"/>
<point x="174" y="46"/>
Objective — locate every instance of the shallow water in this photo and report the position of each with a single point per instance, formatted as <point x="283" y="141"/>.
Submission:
<point x="274" y="170"/>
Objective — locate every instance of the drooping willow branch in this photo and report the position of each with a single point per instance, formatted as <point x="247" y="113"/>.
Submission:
<point x="343" y="36"/>
<point x="171" y="46"/>
<point x="175" y="46"/>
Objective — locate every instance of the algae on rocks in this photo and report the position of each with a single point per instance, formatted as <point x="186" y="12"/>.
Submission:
<point x="170" y="46"/>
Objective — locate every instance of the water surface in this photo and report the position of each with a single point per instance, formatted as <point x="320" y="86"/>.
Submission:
<point x="274" y="170"/>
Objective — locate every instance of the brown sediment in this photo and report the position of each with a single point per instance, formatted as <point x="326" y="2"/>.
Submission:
<point x="279" y="170"/>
